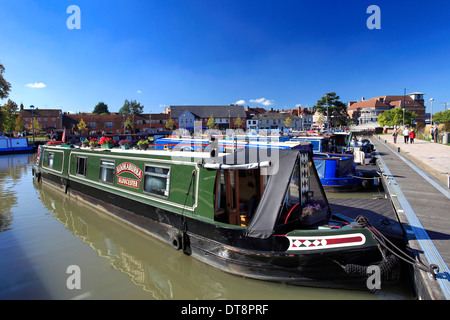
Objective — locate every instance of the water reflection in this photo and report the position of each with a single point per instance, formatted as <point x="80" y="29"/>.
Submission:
<point x="12" y="168"/>
<point x="163" y="272"/>
<point x="48" y="230"/>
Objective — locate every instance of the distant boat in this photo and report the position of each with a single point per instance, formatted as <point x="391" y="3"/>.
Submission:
<point x="14" y="145"/>
<point x="337" y="171"/>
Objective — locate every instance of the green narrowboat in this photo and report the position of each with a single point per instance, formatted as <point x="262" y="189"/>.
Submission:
<point x="258" y="213"/>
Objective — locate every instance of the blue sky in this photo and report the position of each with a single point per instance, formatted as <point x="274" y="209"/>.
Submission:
<point x="215" y="52"/>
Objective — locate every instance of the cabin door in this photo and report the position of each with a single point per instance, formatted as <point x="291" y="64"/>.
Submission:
<point x="232" y="196"/>
<point x="237" y="194"/>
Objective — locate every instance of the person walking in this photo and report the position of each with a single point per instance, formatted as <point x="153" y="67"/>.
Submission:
<point x="436" y="134"/>
<point x="432" y="133"/>
<point x="412" y="135"/>
<point x="395" y="134"/>
<point x="406" y="134"/>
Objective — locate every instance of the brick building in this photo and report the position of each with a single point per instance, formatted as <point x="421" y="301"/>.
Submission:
<point x="48" y="119"/>
<point x="367" y="111"/>
<point x="117" y="123"/>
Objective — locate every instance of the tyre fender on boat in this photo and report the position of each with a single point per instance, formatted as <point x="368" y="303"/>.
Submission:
<point x="176" y="242"/>
<point x="37" y="176"/>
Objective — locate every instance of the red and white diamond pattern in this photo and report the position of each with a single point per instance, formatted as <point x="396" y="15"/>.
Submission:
<point x="307" y="243"/>
<point x="326" y="242"/>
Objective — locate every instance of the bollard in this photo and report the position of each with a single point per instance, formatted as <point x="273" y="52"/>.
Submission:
<point x="385" y="141"/>
<point x="398" y="149"/>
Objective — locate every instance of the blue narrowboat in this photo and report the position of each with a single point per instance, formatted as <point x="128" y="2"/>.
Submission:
<point x="14" y="145"/>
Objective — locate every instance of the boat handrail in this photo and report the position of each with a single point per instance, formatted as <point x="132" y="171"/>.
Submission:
<point x="243" y="166"/>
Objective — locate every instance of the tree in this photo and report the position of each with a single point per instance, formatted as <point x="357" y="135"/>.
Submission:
<point x="238" y="122"/>
<point x="9" y="114"/>
<point x="394" y="117"/>
<point x="169" y="124"/>
<point x="5" y="86"/>
<point x="337" y="110"/>
<point x="211" y="122"/>
<point x="287" y="122"/>
<point x="131" y="107"/>
<point x="129" y="124"/>
<point x="19" y="125"/>
<point x="101" y="108"/>
<point x="442" y="116"/>
<point x="81" y="125"/>
<point x="36" y="126"/>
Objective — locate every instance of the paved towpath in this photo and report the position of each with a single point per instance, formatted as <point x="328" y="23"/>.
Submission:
<point x="418" y="175"/>
<point x="432" y="157"/>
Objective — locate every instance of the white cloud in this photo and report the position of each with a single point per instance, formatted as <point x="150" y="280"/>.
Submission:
<point x="239" y="102"/>
<point x="263" y="101"/>
<point x="35" y="85"/>
<point x="139" y="91"/>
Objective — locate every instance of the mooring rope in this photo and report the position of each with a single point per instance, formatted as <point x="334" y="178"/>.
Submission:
<point x="363" y="222"/>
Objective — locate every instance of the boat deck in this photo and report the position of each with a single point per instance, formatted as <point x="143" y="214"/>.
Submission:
<point x="378" y="210"/>
<point x="421" y="202"/>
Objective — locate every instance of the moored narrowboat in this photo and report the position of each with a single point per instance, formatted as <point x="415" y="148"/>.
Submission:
<point x="15" y="145"/>
<point x="258" y="213"/>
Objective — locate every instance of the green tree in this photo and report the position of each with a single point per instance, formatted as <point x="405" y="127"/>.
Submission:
<point x="131" y="107"/>
<point x="336" y="112"/>
<point x="211" y="122"/>
<point x="9" y="115"/>
<point x="395" y="117"/>
<point x="5" y="86"/>
<point x="101" y="108"/>
<point x="442" y="116"/>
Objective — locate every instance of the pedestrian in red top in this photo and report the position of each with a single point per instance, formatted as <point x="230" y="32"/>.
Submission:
<point x="412" y="135"/>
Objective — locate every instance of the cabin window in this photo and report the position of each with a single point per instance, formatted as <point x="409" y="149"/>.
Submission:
<point x="50" y="160"/>
<point x="81" y="166"/>
<point x="107" y="171"/>
<point x="157" y="180"/>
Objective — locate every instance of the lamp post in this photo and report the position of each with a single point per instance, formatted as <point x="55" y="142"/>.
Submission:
<point x="404" y="103"/>
<point x="431" y="112"/>
<point x="32" y="120"/>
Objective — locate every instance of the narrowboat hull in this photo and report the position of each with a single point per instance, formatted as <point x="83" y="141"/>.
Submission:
<point x="330" y="257"/>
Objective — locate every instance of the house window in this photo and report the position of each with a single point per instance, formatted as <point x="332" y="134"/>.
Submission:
<point x="157" y="180"/>
<point x="92" y="125"/>
<point x="81" y="166"/>
<point x="53" y="119"/>
<point x="109" y="124"/>
<point x="107" y="171"/>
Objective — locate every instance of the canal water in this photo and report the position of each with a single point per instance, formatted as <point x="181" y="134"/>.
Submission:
<point x="47" y="238"/>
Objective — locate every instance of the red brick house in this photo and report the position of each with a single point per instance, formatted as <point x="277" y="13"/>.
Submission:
<point x="49" y="119"/>
<point x="367" y="111"/>
<point x="115" y="123"/>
